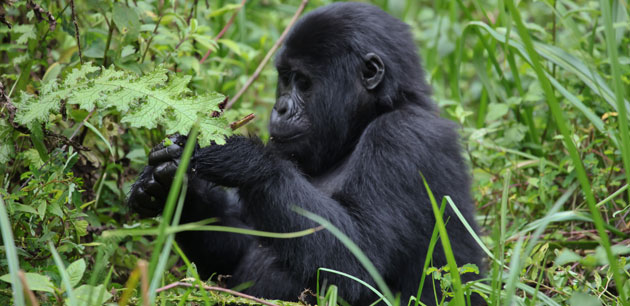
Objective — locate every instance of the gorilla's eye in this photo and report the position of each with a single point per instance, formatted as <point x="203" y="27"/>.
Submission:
<point x="302" y="82"/>
<point x="284" y="77"/>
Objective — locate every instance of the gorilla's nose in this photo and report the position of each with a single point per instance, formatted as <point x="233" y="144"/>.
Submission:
<point x="281" y="108"/>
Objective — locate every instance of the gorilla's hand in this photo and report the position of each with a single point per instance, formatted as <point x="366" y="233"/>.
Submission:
<point x="148" y="193"/>
<point x="239" y="162"/>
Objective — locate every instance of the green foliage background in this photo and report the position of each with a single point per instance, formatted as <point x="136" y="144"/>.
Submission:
<point x="543" y="120"/>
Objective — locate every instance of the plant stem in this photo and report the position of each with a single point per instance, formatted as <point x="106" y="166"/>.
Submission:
<point x="268" y="56"/>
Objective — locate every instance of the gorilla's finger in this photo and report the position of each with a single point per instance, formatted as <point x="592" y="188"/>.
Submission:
<point x="156" y="189"/>
<point x="145" y="204"/>
<point x="172" y="152"/>
<point x="164" y="173"/>
<point x="179" y="139"/>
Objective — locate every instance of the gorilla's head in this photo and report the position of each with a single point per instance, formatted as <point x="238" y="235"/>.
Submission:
<point x="341" y="67"/>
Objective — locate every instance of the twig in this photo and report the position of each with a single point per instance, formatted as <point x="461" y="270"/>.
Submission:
<point x="151" y="38"/>
<point x="214" y="288"/>
<point x="192" y="10"/>
<point x="39" y="11"/>
<point x="237" y="124"/>
<point x="268" y="56"/>
<point x="29" y="293"/>
<point x="76" y="29"/>
<point x="110" y="24"/>
<point x="222" y="32"/>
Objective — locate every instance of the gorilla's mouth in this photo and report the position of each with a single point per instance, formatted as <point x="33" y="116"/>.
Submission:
<point x="279" y="138"/>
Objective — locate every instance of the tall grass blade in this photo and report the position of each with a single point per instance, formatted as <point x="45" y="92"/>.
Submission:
<point x="615" y="66"/>
<point x="446" y="245"/>
<point x="200" y="226"/>
<point x="378" y="293"/>
<point x="469" y="228"/>
<point x="204" y="293"/>
<point x="166" y="251"/>
<point x="172" y="197"/>
<point x="427" y="259"/>
<point x="12" y="258"/>
<point x="65" y="278"/>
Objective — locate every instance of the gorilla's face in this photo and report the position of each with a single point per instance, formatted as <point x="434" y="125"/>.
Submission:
<point x="290" y="124"/>
<point x="322" y="105"/>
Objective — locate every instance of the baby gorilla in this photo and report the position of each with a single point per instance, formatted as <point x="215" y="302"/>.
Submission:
<point x="351" y="131"/>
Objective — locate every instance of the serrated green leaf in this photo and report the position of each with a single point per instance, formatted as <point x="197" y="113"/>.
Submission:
<point x="213" y="129"/>
<point x="26" y="31"/>
<point x="31" y="109"/>
<point x="36" y="282"/>
<point x="6" y="142"/>
<point x="75" y="271"/>
<point x="156" y="98"/>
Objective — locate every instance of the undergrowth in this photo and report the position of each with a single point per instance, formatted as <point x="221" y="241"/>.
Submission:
<point x="540" y="90"/>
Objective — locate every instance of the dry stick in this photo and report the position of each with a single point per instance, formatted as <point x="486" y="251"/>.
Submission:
<point x="268" y="56"/>
<point x="39" y="12"/>
<point x="214" y="288"/>
<point x="29" y="293"/>
<point x="144" y="281"/>
<point x="225" y="28"/>
<point x="239" y="123"/>
<point x="76" y="29"/>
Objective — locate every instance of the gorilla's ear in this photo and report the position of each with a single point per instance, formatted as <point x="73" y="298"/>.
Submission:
<point x="373" y="70"/>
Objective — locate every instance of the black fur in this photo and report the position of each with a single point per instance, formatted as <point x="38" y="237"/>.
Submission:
<point x="351" y="131"/>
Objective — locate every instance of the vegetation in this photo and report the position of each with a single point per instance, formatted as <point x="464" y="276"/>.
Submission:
<point x="88" y="87"/>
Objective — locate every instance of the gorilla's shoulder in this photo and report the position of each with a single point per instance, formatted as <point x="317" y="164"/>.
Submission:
<point x="408" y="128"/>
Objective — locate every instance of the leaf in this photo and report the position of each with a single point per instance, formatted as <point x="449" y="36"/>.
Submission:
<point x="567" y="256"/>
<point x="232" y="45"/>
<point x="89" y="295"/>
<point x="35" y="281"/>
<point x="75" y="271"/>
<point x="24" y="208"/>
<point x="224" y="9"/>
<point x="583" y="299"/>
<point x="157" y="98"/>
<point x="496" y="111"/>
<point x="6" y="142"/>
<point x="126" y="19"/>
<point x="41" y="208"/>
<point x="81" y="227"/>
<point x="127" y="50"/>
<point x="26" y="32"/>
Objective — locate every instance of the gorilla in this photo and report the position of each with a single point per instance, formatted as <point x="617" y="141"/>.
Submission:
<point x="352" y="128"/>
